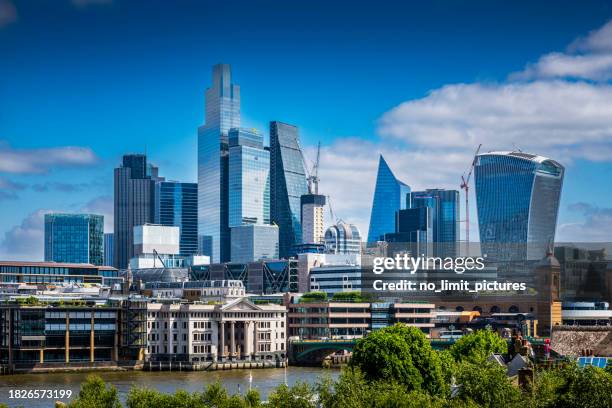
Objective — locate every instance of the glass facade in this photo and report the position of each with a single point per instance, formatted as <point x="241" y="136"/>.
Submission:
<point x="134" y="204"/>
<point x="287" y="185"/>
<point x="445" y="218"/>
<point x="177" y="205"/>
<point x="343" y="238"/>
<point x="74" y="238"/>
<point x="222" y="114"/>
<point x="517" y="197"/>
<point x="390" y="195"/>
<point x="252" y="243"/>
<point x="109" y="246"/>
<point x="249" y="179"/>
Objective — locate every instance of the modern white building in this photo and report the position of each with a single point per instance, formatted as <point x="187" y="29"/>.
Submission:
<point x="343" y="238"/>
<point x="307" y="261"/>
<point x="151" y="238"/>
<point x="237" y="330"/>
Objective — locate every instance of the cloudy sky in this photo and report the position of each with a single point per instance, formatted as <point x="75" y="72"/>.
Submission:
<point x="84" y="81"/>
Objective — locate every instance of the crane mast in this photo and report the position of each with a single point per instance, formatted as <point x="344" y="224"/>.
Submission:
<point x="465" y="185"/>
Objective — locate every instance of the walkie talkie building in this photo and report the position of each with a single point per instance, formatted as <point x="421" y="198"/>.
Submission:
<point x="517" y="197"/>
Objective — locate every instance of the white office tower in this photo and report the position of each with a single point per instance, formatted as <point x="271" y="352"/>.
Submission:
<point x="312" y="218"/>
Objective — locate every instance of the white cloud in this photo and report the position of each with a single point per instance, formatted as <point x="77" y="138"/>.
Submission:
<point x="30" y="161"/>
<point x="102" y="205"/>
<point x="25" y="242"/>
<point x="560" y="107"/>
<point x="596" y="227"/>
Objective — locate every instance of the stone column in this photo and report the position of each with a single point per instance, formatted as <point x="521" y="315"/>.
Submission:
<point x="91" y="339"/>
<point x="222" y="330"/>
<point x="233" y="339"/>
<point x="254" y="339"/>
<point x="67" y="338"/>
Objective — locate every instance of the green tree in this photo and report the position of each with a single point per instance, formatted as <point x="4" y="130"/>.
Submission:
<point x="478" y="346"/>
<point x="400" y="354"/>
<point x="300" y="395"/>
<point x="486" y="385"/>
<point x="95" y="394"/>
<point x="588" y="387"/>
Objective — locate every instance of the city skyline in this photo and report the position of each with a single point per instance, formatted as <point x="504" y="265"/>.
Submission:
<point x="422" y="131"/>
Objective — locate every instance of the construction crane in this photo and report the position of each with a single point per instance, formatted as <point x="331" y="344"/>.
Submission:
<point x="465" y="185"/>
<point x="313" y="174"/>
<point x="331" y="210"/>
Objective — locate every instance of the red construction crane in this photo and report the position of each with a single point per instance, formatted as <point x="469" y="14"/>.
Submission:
<point x="465" y="185"/>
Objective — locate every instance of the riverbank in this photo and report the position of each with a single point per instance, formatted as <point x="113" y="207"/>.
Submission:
<point x="234" y="381"/>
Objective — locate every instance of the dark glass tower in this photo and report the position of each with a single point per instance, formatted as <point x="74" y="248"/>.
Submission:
<point x="390" y="195"/>
<point x="177" y="204"/>
<point x="517" y="197"/>
<point x="74" y="238"/>
<point x="134" y="204"/>
<point x="287" y="185"/>
<point x="222" y="114"/>
<point x="444" y="206"/>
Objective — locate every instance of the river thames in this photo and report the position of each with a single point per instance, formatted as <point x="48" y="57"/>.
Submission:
<point x="234" y="381"/>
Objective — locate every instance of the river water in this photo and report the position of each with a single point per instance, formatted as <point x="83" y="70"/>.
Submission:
<point x="234" y="381"/>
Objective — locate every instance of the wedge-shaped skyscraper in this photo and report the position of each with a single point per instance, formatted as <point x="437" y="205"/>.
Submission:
<point x="517" y="197"/>
<point x="390" y="195"/>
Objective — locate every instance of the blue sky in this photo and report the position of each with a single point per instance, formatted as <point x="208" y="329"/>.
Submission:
<point x="83" y="82"/>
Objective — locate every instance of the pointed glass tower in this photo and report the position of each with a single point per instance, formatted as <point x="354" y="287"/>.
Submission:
<point x="390" y="195"/>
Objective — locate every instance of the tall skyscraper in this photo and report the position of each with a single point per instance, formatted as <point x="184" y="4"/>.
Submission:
<point x="222" y="113"/>
<point x="176" y="204"/>
<point x="413" y="231"/>
<point x="444" y="206"/>
<point x="249" y="178"/>
<point x="287" y="185"/>
<point x="109" y="247"/>
<point x="517" y="197"/>
<point x="134" y="204"/>
<point x="390" y="195"/>
<point x="74" y="238"/>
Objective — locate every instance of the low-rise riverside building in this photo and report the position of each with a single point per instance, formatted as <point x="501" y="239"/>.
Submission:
<point x="42" y="333"/>
<point x="337" y="319"/>
<point x="216" y="332"/>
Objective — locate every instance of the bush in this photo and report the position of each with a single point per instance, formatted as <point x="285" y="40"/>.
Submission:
<point x="95" y="394"/>
<point x="478" y="346"/>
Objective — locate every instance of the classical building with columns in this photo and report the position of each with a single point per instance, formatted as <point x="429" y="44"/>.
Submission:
<point x="237" y="330"/>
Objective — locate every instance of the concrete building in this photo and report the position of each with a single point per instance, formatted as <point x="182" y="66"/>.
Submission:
<point x="307" y="261"/>
<point x="331" y="320"/>
<point x="226" y="332"/>
<point x="312" y="219"/>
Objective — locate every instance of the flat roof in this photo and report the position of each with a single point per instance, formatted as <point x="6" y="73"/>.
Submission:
<point x="57" y="265"/>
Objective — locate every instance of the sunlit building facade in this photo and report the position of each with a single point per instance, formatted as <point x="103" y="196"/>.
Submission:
<point x="444" y="206"/>
<point x="517" y="197"/>
<point x="390" y="195"/>
<point x="222" y="114"/>
<point x="74" y="238"/>
<point x="177" y="205"/>
<point x="287" y="185"/>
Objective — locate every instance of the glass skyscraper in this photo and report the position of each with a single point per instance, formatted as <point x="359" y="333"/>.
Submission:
<point x="252" y="243"/>
<point x="177" y="205"/>
<point x="517" y="197"/>
<point x="222" y="113"/>
<point x="134" y="204"/>
<point x="74" y="238"/>
<point x="249" y="179"/>
<point x="287" y="185"/>
<point x="444" y="206"/>
<point x="109" y="247"/>
<point x="390" y="195"/>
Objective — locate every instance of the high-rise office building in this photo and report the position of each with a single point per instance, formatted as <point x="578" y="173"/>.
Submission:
<point x="287" y="185"/>
<point x="444" y="206"/>
<point x="222" y="114"/>
<point x="413" y="231"/>
<point x="134" y="204"/>
<point x="249" y="178"/>
<point x="252" y="243"/>
<point x="390" y="195"/>
<point x="517" y="197"/>
<point x="109" y="247"/>
<point x="176" y="204"/>
<point x="312" y="219"/>
<point x="343" y="238"/>
<point x="74" y="238"/>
